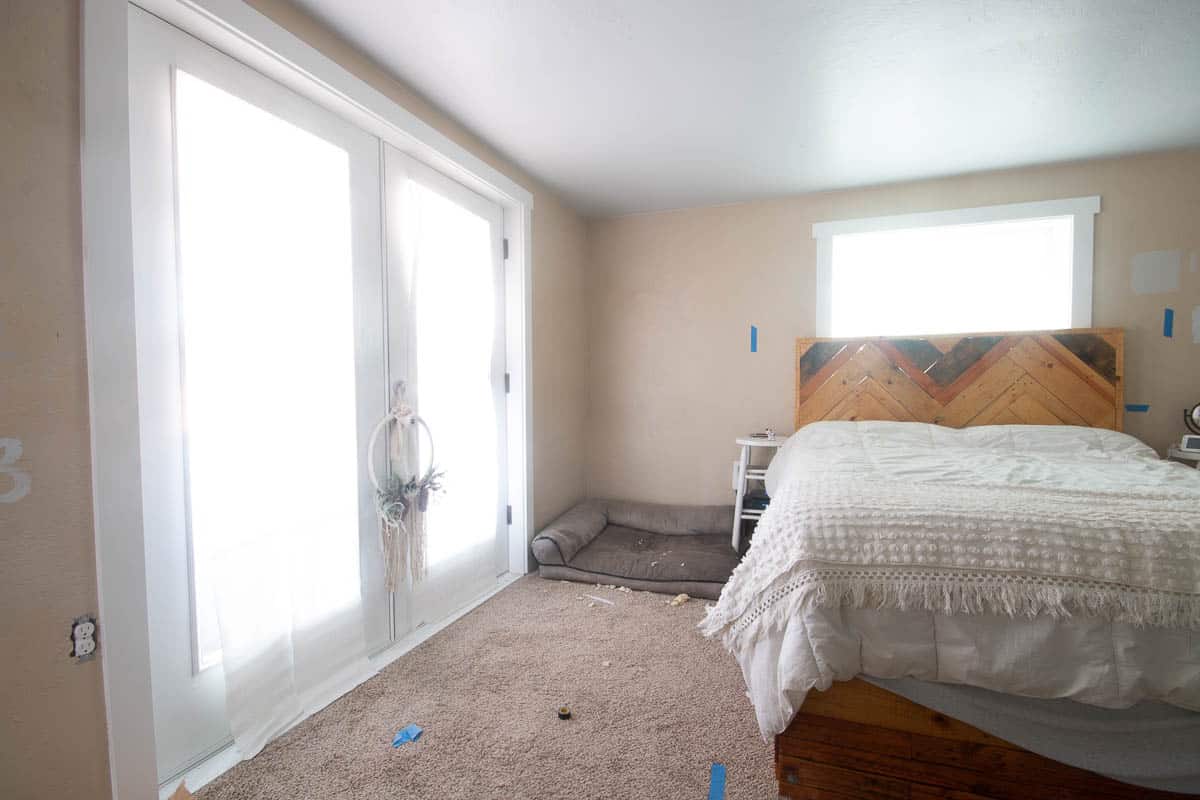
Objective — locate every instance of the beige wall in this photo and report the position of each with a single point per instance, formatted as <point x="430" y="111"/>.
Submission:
<point x="52" y="729"/>
<point x="672" y="297"/>
<point x="668" y="382"/>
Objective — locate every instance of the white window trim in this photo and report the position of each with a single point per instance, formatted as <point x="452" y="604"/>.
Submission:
<point x="248" y="36"/>
<point x="1083" y="209"/>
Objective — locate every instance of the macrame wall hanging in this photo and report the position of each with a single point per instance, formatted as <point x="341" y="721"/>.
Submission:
<point x="403" y="498"/>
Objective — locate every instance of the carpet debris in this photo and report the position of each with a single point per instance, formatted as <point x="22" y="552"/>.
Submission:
<point x="598" y="600"/>
<point x="606" y="663"/>
<point x="409" y="733"/>
<point x="678" y="600"/>
<point x="504" y="742"/>
<point x="625" y="589"/>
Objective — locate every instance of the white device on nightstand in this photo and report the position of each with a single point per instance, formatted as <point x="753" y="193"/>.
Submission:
<point x="1189" y="447"/>
<point x="1191" y="441"/>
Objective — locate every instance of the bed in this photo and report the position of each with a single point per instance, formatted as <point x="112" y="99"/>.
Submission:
<point x="963" y="551"/>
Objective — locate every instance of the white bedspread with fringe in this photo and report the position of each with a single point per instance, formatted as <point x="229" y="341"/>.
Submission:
<point x="1069" y="528"/>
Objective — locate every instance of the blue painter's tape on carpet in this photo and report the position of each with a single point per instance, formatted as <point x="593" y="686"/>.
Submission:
<point x="1169" y="322"/>
<point x="1140" y="408"/>
<point x="753" y="338"/>
<point x="409" y="733"/>
<point x="716" y="785"/>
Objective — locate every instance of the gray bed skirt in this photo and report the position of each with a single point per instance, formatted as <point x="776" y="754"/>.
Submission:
<point x="1150" y="744"/>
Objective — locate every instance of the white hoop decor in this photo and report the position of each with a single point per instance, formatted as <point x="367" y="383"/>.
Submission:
<point x="401" y="503"/>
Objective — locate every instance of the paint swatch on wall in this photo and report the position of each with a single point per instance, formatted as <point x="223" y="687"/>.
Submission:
<point x="1137" y="408"/>
<point x="1156" y="271"/>
<point x="1169" y="323"/>
<point x="753" y="338"/>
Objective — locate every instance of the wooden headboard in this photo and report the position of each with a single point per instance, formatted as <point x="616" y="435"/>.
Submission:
<point x="1071" y="377"/>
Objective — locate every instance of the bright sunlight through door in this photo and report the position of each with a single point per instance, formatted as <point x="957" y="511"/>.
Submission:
<point x="268" y="365"/>
<point x="455" y="303"/>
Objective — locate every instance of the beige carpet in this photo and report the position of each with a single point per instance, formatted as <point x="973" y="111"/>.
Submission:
<point x="485" y="690"/>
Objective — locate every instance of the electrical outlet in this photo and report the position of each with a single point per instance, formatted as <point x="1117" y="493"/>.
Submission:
<point x="83" y="638"/>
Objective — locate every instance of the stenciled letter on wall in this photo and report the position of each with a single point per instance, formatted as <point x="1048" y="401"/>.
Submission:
<point x="19" y="480"/>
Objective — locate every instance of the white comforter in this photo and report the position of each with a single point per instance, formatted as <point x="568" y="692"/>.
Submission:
<point x="1098" y="659"/>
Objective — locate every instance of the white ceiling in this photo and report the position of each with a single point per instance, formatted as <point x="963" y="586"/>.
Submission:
<point x="638" y="105"/>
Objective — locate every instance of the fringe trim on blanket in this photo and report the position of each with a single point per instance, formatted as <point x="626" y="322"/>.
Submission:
<point x="949" y="593"/>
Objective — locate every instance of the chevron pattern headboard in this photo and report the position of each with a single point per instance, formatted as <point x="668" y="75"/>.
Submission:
<point x="1068" y="377"/>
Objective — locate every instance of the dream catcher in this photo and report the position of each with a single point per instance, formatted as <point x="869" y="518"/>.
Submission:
<point x="403" y="498"/>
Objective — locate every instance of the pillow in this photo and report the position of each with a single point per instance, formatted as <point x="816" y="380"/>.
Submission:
<point x="1062" y="439"/>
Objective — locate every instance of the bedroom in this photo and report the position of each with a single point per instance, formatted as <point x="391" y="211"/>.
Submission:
<point x="675" y="186"/>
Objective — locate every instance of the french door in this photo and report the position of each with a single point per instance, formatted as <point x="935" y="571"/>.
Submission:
<point x="290" y="273"/>
<point x="446" y="264"/>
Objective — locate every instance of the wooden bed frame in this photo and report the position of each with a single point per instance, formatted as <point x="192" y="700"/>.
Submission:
<point x="856" y="740"/>
<point x="1070" y="377"/>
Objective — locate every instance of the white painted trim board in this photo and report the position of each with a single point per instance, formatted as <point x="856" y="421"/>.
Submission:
<point x="124" y="639"/>
<point x="1072" y="206"/>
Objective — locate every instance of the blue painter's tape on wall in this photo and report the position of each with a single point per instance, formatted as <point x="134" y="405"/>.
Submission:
<point x="753" y="338"/>
<point x="1140" y="408"/>
<point x="716" y="784"/>
<point x="1168" y="322"/>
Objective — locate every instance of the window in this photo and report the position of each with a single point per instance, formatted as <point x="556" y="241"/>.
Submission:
<point x="1025" y="266"/>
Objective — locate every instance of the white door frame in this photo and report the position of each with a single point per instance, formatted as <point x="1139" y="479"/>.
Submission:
<point x="248" y="36"/>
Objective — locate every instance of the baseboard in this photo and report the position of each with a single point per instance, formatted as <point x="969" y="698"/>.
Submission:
<point x="216" y="764"/>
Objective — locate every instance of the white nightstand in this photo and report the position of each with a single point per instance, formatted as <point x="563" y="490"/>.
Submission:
<point x="1175" y="454"/>
<point x="743" y="473"/>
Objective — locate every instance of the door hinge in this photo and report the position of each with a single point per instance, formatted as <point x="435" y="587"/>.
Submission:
<point x="507" y="383"/>
<point x="506" y="248"/>
<point x="508" y="514"/>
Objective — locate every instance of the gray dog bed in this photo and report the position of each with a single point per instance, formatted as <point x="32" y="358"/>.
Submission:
<point x="658" y="548"/>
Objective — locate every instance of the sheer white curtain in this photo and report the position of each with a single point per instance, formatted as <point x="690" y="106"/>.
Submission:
<point x="446" y="294"/>
<point x="267" y="310"/>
